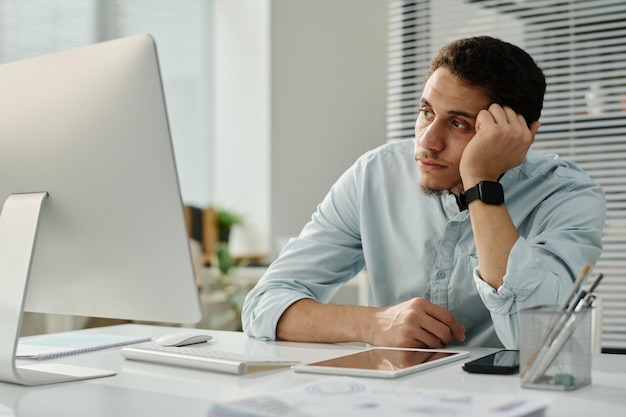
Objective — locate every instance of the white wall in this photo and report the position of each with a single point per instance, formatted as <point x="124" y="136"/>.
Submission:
<point x="300" y="94"/>
<point x="242" y="111"/>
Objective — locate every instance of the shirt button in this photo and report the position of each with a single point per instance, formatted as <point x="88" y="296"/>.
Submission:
<point x="441" y="274"/>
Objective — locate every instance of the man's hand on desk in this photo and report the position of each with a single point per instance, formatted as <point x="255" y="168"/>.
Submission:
<point x="416" y="323"/>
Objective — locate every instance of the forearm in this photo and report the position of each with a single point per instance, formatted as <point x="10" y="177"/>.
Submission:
<point x="495" y="235"/>
<point x="413" y="323"/>
<point x="533" y="278"/>
<point x="501" y="143"/>
<point x="307" y="320"/>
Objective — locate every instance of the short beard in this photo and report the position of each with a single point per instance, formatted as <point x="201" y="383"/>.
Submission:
<point x="433" y="192"/>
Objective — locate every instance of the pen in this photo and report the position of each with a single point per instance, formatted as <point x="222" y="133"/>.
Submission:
<point x="596" y="282"/>
<point x="579" y="301"/>
<point x="574" y="288"/>
<point x="583" y="293"/>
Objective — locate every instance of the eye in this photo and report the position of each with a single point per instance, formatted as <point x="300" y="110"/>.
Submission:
<point x="462" y="125"/>
<point x="459" y="124"/>
<point x="428" y="115"/>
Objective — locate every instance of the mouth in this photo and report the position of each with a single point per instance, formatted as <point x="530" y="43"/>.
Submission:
<point x="428" y="164"/>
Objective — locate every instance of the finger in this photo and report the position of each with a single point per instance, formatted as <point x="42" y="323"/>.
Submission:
<point x="439" y="313"/>
<point x="521" y="120"/>
<point x="427" y="339"/>
<point x="458" y="332"/>
<point x="448" y="331"/>
<point x="513" y="117"/>
<point x="484" y="117"/>
<point x="442" y="333"/>
<point x="456" y="329"/>
<point x="448" y="326"/>
<point x="506" y="115"/>
<point x="433" y="332"/>
<point x="497" y="113"/>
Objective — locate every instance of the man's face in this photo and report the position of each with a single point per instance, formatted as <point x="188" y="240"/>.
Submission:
<point x="448" y="110"/>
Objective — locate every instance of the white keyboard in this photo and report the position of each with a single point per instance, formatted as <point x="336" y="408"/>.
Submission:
<point x="204" y="358"/>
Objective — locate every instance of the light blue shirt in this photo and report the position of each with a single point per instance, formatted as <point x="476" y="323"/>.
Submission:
<point x="414" y="245"/>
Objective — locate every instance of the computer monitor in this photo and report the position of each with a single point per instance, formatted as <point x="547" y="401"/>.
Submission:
<point x="93" y="221"/>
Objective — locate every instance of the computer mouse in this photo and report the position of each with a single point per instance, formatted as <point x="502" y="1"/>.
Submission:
<point x="182" y="339"/>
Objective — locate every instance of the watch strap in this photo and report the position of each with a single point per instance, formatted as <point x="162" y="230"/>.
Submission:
<point x="490" y="192"/>
<point x="471" y="195"/>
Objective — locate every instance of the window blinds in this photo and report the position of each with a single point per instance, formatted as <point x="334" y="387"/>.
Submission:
<point x="29" y="29"/>
<point x="182" y="31"/>
<point x="580" y="46"/>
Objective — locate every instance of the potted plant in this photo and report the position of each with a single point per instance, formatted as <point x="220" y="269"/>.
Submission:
<point x="225" y="292"/>
<point x="226" y="220"/>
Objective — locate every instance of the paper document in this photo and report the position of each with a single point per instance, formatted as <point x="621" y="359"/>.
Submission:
<point x="54" y="345"/>
<point x="348" y="396"/>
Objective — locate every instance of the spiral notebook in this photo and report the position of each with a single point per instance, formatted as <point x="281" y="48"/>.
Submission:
<point x="55" y="345"/>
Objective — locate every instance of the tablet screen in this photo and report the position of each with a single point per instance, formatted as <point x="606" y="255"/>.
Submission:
<point x="383" y="362"/>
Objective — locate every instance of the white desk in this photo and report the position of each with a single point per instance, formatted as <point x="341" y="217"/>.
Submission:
<point x="143" y="389"/>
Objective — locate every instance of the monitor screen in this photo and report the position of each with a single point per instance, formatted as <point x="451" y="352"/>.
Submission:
<point x="89" y="127"/>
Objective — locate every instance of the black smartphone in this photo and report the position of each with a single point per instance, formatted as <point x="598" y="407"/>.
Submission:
<point x="502" y="362"/>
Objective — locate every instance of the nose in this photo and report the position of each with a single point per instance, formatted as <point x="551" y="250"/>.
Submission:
<point x="430" y="136"/>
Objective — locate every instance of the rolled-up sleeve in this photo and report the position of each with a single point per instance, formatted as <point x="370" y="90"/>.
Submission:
<point x="566" y="235"/>
<point x="326" y="254"/>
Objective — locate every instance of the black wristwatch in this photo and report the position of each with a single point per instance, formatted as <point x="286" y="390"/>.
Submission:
<point x="489" y="192"/>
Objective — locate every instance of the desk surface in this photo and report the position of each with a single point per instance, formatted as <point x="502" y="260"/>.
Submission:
<point x="144" y="389"/>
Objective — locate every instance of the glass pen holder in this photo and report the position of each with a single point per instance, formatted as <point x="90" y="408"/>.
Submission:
<point x="555" y="348"/>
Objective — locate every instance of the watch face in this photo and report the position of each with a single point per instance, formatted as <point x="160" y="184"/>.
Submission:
<point x="491" y="192"/>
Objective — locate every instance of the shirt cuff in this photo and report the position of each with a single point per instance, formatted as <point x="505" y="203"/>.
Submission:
<point x="498" y="301"/>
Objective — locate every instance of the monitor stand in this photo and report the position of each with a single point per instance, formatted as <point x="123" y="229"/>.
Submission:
<point x="19" y="221"/>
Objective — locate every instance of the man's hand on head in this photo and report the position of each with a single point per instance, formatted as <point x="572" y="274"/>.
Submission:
<point x="501" y="142"/>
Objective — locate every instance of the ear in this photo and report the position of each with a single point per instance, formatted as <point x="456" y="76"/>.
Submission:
<point x="534" y="127"/>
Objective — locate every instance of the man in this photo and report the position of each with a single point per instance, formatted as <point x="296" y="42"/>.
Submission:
<point x="459" y="229"/>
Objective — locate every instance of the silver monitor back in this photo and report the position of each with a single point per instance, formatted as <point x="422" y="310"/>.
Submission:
<point x="89" y="127"/>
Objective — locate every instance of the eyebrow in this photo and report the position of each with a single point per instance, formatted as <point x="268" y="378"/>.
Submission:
<point x="451" y="112"/>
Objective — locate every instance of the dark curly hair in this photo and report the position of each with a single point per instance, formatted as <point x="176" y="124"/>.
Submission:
<point x="505" y="72"/>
